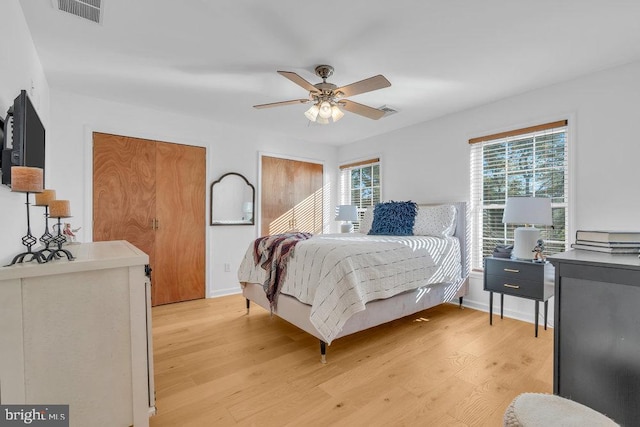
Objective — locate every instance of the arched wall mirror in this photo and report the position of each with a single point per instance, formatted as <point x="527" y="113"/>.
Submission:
<point x="232" y="200"/>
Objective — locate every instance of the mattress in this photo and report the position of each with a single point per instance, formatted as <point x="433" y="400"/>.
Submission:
<point x="337" y="274"/>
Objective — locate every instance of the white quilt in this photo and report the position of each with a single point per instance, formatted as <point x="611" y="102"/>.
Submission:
<point x="337" y="274"/>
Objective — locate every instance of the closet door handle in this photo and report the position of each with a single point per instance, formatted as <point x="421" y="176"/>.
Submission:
<point x="157" y="223"/>
<point x="153" y="224"/>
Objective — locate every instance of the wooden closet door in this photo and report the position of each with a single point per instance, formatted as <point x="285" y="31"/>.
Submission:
<point x="180" y="209"/>
<point x="291" y="196"/>
<point x="152" y="194"/>
<point x="124" y="191"/>
<point x="307" y="196"/>
<point x="276" y="196"/>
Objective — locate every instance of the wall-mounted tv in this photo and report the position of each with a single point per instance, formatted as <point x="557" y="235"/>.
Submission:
<point x="24" y="144"/>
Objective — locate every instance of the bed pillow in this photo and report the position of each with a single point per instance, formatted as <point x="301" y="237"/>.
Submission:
<point x="394" y="218"/>
<point x="367" y="220"/>
<point x="438" y="221"/>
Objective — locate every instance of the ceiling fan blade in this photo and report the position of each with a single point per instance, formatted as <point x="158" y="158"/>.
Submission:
<point x="366" y="85"/>
<point x="298" y="80"/>
<point x="363" y="110"/>
<point x="281" y="103"/>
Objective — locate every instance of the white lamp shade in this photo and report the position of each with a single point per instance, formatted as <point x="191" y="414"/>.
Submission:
<point x="347" y="213"/>
<point x="528" y="210"/>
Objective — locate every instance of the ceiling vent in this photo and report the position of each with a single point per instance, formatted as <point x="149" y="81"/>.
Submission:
<point x="86" y="9"/>
<point x="388" y="111"/>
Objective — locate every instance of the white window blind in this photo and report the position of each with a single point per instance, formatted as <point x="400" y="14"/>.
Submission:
<point x="360" y="186"/>
<point x="530" y="162"/>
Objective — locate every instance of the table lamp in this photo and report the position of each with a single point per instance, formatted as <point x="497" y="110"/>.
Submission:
<point x="347" y="213"/>
<point x="526" y="211"/>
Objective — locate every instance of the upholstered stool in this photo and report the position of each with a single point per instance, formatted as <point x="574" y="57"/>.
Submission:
<point x="547" y="410"/>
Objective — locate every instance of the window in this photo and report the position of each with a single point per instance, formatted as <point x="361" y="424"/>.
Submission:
<point x="529" y="162"/>
<point x="360" y="186"/>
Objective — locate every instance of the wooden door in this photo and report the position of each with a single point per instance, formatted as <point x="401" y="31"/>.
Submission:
<point x="180" y="234"/>
<point x="124" y="191"/>
<point x="291" y="196"/>
<point x="152" y="194"/>
<point x="276" y="196"/>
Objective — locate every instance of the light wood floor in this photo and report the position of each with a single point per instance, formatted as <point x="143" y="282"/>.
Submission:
<point x="215" y="366"/>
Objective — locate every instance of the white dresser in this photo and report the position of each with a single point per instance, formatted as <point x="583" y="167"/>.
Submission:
<point x="79" y="333"/>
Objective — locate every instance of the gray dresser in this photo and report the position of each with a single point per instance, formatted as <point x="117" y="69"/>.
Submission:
<point x="597" y="332"/>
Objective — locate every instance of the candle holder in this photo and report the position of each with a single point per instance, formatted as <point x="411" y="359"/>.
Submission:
<point x="43" y="199"/>
<point x="29" y="240"/>
<point x="59" y="240"/>
<point x="27" y="180"/>
<point x="60" y="209"/>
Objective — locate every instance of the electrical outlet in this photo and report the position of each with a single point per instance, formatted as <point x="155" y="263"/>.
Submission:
<point x="227" y="267"/>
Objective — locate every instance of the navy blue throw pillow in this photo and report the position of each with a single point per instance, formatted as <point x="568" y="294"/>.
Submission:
<point x="394" y="218"/>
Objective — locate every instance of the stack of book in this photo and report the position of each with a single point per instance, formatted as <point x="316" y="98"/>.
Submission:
<point x="613" y="242"/>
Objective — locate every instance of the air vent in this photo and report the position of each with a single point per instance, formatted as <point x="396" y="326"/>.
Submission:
<point x="86" y="9"/>
<point x="388" y="111"/>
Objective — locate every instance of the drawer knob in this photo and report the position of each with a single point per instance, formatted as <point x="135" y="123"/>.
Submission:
<point x="507" y="285"/>
<point x="511" y="270"/>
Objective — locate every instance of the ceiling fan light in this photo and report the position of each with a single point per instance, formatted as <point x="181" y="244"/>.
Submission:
<point x="312" y="113"/>
<point x="325" y="110"/>
<point x="322" y="120"/>
<point x="336" y="113"/>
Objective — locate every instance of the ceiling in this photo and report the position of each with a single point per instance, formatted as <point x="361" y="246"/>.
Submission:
<point x="217" y="58"/>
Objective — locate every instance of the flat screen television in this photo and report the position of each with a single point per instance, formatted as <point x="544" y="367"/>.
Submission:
<point x="24" y="144"/>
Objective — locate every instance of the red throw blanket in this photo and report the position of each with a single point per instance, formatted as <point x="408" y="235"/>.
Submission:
<point x="272" y="253"/>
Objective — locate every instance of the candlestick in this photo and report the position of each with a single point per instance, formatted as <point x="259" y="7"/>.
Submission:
<point x="27" y="180"/>
<point x="43" y="199"/>
<point x="60" y="239"/>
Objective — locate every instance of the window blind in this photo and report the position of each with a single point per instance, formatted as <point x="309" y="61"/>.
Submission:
<point x="360" y="186"/>
<point x="530" y="162"/>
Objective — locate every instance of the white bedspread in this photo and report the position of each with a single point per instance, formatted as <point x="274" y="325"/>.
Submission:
<point x="337" y="274"/>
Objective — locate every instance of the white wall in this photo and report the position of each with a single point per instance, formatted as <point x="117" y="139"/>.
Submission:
<point x="20" y="69"/>
<point x="75" y="117"/>
<point x="430" y="161"/>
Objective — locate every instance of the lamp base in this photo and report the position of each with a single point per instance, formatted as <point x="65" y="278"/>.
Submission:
<point x="526" y="238"/>
<point x="346" y="228"/>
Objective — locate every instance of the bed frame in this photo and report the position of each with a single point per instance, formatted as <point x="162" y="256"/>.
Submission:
<point x="379" y="311"/>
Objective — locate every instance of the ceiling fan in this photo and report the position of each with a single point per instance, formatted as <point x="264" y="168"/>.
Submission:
<point x="327" y="97"/>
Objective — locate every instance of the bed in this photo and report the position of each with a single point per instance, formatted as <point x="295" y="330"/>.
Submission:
<point x="340" y="284"/>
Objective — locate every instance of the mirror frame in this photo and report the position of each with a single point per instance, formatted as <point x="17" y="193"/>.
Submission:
<point x="253" y="200"/>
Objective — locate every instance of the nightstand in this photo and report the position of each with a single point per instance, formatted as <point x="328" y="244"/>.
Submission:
<point x="524" y="279"/>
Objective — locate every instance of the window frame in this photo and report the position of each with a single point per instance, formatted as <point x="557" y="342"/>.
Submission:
<point x="477" y="188"/>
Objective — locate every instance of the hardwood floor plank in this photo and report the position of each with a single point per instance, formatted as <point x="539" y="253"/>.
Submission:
<point x="214" y="365"/>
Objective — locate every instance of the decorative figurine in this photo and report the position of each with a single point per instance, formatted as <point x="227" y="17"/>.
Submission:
<point x="539" y="249"/>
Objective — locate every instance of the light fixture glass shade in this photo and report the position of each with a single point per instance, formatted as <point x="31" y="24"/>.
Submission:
<point x="336" y="113"/>
<point x="325" y="110"/>
<point x="312" y="113"/>
<point x="322" y="120"/>
<point x="526" y="210"/>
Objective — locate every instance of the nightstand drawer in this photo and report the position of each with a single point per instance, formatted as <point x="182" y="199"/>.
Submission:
<point x="516" y="270"/>
<point x="512" y="285"/>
